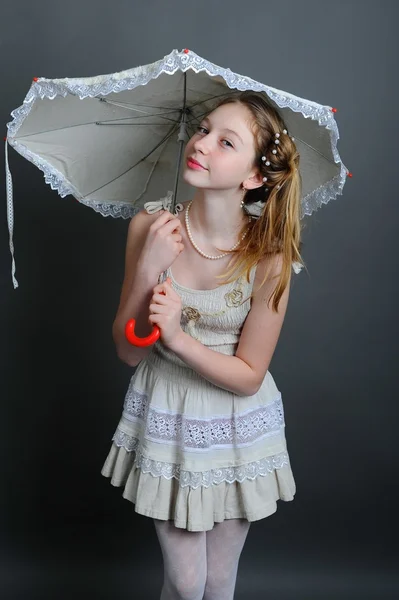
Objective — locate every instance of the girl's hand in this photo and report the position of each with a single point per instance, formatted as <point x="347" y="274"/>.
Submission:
<point x="163" y="243"/>
<point x="165" y="311"/>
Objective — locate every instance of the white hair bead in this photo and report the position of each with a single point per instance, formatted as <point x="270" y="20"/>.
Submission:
<point x="265" y="179"/>
<point x="274" y="151"/>
<point x="263" y="157"/>
<point x="268" y="163"/>
<point x="277" y="135"/>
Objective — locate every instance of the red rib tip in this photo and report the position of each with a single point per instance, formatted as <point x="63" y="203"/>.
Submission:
<point x="334" y="110"/>
<point x="349" y="174"/>
<point x="35" y="79"/>
<point x="186" y="50"/>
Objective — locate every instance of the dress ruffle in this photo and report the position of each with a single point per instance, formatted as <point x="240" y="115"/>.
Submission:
<point x="197" y="509"/>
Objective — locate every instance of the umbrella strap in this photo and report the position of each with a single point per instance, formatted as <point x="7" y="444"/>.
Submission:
<point x="10" y="214"/>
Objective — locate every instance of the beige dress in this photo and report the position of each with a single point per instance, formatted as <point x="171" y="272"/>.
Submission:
<point x="190" y="451"/>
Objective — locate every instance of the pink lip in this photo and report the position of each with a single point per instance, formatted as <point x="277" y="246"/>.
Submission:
<point x="193" y="164"/>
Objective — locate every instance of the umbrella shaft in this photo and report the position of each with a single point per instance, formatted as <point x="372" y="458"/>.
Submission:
<point x="181" y="137"/>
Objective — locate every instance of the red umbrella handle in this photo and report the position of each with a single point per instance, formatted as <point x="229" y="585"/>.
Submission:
<point x="141" y="341"/>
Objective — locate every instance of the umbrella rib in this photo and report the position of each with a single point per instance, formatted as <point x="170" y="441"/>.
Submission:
<point x="131" y="107"/>
<point x="164" y="139"/>
<point x="26" y="135"/>
<point x="197" y="117"/>
<point x="317" y="151"/>
<point x="109" y="123"/>
<point x="113" y="122"/>
<point x="167" y="108"/>
<point x="210" y="98"/>
<point x="128" y="105"/>
<point x="193" y="129"/>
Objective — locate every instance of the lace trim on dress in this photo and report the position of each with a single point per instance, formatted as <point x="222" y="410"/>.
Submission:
<point x="157" y="468"/>
<point x="203" y="434"/>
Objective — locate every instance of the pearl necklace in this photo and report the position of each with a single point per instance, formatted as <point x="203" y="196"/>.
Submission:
<point x="195" y="245"/>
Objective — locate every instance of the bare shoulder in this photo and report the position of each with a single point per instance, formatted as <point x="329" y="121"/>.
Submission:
<point x="270" y="267"/>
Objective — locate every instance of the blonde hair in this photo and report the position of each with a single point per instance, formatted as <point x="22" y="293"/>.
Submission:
<point x="277" y="232"/>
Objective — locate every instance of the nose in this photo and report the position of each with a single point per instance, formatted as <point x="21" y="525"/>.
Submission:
<point x="201" y="144"/>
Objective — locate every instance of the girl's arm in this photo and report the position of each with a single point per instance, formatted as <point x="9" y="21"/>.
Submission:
<point x="228" y="372"/>
<point x="137" y="290"/>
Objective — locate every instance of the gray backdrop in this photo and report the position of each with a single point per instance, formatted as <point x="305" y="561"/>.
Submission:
<point x="64" y="527"/>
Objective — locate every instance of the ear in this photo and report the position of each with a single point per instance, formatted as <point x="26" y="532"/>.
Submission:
<point x="253" y="181"/>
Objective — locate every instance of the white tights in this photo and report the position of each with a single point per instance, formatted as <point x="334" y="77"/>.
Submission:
<point x="201" y="565"/>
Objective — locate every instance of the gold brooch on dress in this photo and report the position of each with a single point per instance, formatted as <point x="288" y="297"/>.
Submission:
<point x="191" y="314"/>
<point x="234" y="298"/>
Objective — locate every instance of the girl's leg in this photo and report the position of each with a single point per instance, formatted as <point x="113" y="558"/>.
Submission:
<point x="184" y="559"/>
<point x="224" y="544"/>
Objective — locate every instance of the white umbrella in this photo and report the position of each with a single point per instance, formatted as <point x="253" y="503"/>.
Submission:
<point x="115" y="141"/>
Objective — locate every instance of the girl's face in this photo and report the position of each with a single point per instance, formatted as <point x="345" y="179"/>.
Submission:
<point x="224" y="146"/>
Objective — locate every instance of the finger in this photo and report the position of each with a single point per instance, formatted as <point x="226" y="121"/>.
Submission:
<point x="167" y="287"/>
<point x="162" y="286"/>
<point x="160" y="298"/>
<point x="159" y="288"/>
<point x="159" y="309"/>
<point x="165" y="219"/>
<point x="171" y="226"/>
<point x="177" y="237"/>
<point x="157" y="320"/>
<point x="165" y="216"/>
<point x="170" y="291"/>
<point x="154" y="319"/>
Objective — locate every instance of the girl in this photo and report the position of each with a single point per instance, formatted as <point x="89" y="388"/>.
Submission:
<point x="200" y="446"/>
